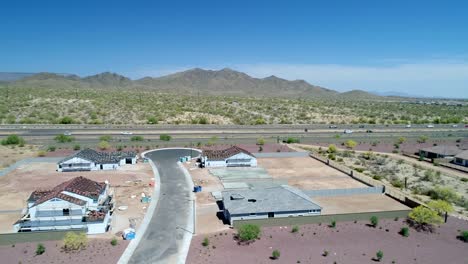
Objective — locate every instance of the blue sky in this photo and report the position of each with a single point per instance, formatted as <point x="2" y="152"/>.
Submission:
<point x="417" y="47"/>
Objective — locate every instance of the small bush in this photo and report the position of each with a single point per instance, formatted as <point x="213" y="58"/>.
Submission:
<point x="404" y="231"/>
<point x="325" y="253"/>
<point x="332" y="156"/>
<point x="41" y="153"/>
<point x="76" y="147"/>
<point x="51" y="148"/>
<point x="464" y="235"/>
<point x="107" y="138"/>
<point x="379" y="255"/>
<point x="377" y="177"/>
<point x="291" y="140"/>
<point x="40" y="249"/>
<point x="374" y="221"/>
<point x="137" y="138"/>
<point x="295" y="229"/>
<point x="165" y="137"/>
<point x="275" y="254"/>
<point x="333" y="224"/>
<point x="103" y="145"/>
<point x="249" y="232"/>
<point x="114" y="241"/>
<point x="206" y="242"/>
<point x="64" y="138"/>
<point x="13" y="140"/>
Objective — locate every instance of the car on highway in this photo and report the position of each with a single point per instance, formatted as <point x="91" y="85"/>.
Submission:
<point x="369" y="131"/>
<point x="361" y="126"/>
<point x="455" y="125"/>
<point x="126" y="133"/>
<point x="430" y="126"/>
<point x="408" y="126"/>
<point x="332" y="126"/>
<point x="348" y="131"/>
<point x="67" y="133"/>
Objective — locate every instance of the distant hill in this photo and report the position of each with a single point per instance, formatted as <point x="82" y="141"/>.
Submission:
<point x="13" y="76"/>
<point x="196" y="81"/>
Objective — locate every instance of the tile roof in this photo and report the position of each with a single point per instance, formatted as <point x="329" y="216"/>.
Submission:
<point x="462" y="155"/>
<point x="282" y="198"/>
<point x="101" y="157"/>
<point x="443" y="150"/>
<point x="223" y="154"/>
<point x="79" y="185"/>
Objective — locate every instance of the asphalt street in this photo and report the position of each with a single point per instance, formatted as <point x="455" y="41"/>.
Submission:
<point x="162" y="241"/>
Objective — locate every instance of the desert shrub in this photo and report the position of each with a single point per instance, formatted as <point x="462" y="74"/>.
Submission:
<point x="119" y="148"/>
<point x="137" y="138"/>
<point x="422" y="139"/>
<point x="74" y="241"/>
<point x="152" y="120"/>
<point x="440" y="206"/>
<point x="275" y="254"/>
<point x="350" y="144"/>
<point x="205" y="242"/>
<point x="291" y="140"/>
<point x="404" y="231"/>
<point x="66" y="120"/>
<point x="377" y="177"/>
<point x="325" y="253"/>
<point x="359" y="169"/>
<point x="51" y="148"/>
<point x="41" y="153"/>
<point x="107" y="138"/>
<point x="260" y="141"/>
<point x="423" y="218"/>
<point x="444" y="193"/>
<point x="396" y="182"/>
<point x="401" y="140"/>
<point x="379" y="255"/>
<point x="249" y="232"/>
<point x="331" y="148"/>
<point x="295" y="229"/>
<point x="13" y="140"/>
<point x="333" y="224"/>
<point x="76" y="147"/>
<point x="165" y="137"/>
<point x="103" y="145"/>
<point x="332" y="156"/>
<point x="374" y="221"/>
<point x="114" y="241"/>
<point x="464" y="235"/>
<point x="40" y="249"/>
<point x="64" y="138"/>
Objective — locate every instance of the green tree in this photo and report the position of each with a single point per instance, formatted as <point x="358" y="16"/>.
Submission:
<point x="152" y="120"/>
<point x="423" y="216"/>
<point x="464" y="235"/>
<point x="260" y="141"/>
<point x="13" y="140"/>
<point x="332" y="148"/>
<point x="350" y="144"/>
<point x="374" y="221"/>
<point x="249" y="232"/>
<point x="440" y="206"/>
<point x="206" y="242"/>
<point x="64" y="138"/>
<point x="103" y="145"/>
<point x="114" y="242"/>
<point x="404" y="231"/>
<point x="379" y="255"/>
<point x="137" y="138"/>
<point x="66" y="120"/>
<point x="164" y="137"/>
<point x="444" y="193"/>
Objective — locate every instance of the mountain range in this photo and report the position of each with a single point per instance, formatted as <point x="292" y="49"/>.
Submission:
<point x="195" y="81"/>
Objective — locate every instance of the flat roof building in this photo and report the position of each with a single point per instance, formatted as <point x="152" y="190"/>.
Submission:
<point x="275" y="202"/>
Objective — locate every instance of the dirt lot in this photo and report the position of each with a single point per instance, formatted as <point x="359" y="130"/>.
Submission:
<point x="16" y="187"/>
<point x="349" y="242"/>
<point x="207" y="221"/>
<point x="255" y="148"/>
<point x="307" y="173"/>
<point x="98" y="251"/>
<point x="358" y="204"/>
<point x="12" y="154"/>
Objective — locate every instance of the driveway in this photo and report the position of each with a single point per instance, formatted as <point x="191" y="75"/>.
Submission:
<point x="163" y="240"/>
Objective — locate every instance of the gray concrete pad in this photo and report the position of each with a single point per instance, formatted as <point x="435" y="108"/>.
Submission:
<point x="239" y="174"/>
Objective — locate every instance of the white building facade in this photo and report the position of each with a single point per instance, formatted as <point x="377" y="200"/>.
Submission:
<point x="230" y="157"/>
<point x="91" y="160"/>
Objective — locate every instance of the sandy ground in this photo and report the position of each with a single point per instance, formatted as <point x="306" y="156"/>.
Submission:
<point x="98" y="251"/>
<point x="255" y="148"/>
<point x="16" y="186"/>
<point x="358" y="204"/>
<point x="349" y="242"/>
<point x="12" y="154"/>
<point x="307" y="173"/>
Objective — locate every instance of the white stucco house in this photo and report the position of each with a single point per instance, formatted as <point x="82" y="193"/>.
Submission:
<point x="79" y="203"/>
<point x="90" y="160"/>
<point x="461" y="158"/>
<point x="229" y="157"/>
<point x="275" y="202"/>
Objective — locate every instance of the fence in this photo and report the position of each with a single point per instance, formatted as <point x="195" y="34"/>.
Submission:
<point x="349" y="191"/>
<point x="15" y="238"/>
<point x="388" y="189"/>
<point x="303" y="220"/>
<point x="281" y="154"/>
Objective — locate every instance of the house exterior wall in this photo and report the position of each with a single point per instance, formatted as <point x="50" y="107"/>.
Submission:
<point x="77" y="164"/>
<point x="462" y="162"/>
<point x="99" y="227"/>
<point x="238" y="160"/>
<point x="233" y="217"/>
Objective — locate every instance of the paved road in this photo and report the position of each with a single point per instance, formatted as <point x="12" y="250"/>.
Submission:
<point x="162" y="241"/>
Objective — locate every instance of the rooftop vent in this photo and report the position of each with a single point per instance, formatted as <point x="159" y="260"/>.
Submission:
<point x="251" y="200"/>
<point x="236" y="196"/>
